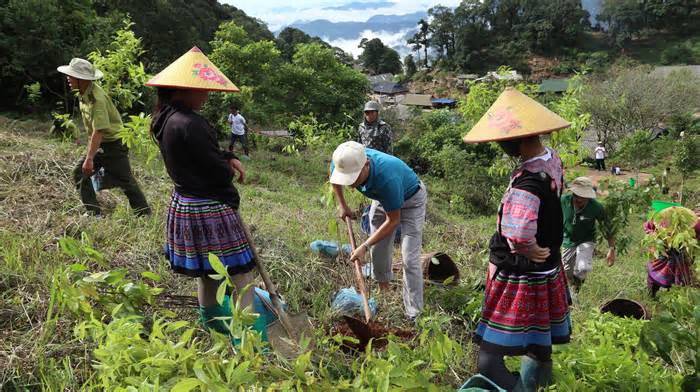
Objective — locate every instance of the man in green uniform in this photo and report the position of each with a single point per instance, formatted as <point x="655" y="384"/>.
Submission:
<point x="105" y="149"/>
<point x="581" y="211"/>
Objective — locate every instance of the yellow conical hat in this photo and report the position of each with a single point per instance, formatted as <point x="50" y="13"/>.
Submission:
<point x="193" y="70"/>
<point x="514" y="115"/>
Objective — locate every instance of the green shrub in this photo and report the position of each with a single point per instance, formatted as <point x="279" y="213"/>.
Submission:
<point x="606" y="357"/>
<point x="682" y="53"/>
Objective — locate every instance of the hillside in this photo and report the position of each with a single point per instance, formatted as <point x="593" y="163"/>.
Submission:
<point x="281" y="201"/>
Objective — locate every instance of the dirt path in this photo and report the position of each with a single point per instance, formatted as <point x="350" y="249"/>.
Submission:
<point x="596" y="175"/>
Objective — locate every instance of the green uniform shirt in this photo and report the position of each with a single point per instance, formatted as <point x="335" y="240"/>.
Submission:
<point x="579" y="226"/>
<point x="100" y="114"/>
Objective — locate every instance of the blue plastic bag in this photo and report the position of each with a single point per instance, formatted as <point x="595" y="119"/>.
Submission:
<point x="259" y="305"/>
<point x="328" y="248"/>
<point x="348" y="302"/>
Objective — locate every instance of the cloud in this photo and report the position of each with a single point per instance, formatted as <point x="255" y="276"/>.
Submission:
<point x="361" y="6"/>
<point x="277" y="13"/>
<point x="391" y="39"/>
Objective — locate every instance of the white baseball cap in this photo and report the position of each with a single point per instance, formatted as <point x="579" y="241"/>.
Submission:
<point x="349" y="158"/>
<point x="80" y="69"/>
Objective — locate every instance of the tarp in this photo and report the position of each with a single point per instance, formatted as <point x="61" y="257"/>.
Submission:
<point x="554" y="85"/>
<point x="444" y="101"/>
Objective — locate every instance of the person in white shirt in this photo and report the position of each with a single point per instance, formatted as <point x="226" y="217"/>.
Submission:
<point x="600" y="157"/>
<point x="239" y="128"/>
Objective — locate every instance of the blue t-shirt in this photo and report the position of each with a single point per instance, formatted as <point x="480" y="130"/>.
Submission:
<point x="390" y="181"/>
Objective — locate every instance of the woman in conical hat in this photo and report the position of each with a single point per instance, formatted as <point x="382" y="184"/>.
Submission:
<point x="526" y="304"/>
<point x="203" y="216"/>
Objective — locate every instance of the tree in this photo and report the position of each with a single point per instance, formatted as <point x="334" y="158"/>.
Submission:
<point x="409" y="64"/>
<point x="274" y="91"/>
<point x="124" y="75"/>
<point x="377" y="58"/>
<point x="637" y="150"/>
<point x="442" y="30"/>
<point x="422" y="40"/>
<point x="626" y="100"/>
<point x="687" y="158"/>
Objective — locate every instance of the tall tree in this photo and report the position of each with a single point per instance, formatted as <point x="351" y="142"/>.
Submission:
<point x="422" y="40"/>
<point x="442" y="30"/>
<point x="378" y="58"/>
<point x="409" y="64"/>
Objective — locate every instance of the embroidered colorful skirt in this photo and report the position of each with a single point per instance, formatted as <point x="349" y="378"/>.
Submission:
<point x="524" y="313"/>
<point x="666" y="272"/>
<point x="197" y="227"/>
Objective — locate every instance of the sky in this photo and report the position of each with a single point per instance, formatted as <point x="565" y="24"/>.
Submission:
<point x="279" y="13"/>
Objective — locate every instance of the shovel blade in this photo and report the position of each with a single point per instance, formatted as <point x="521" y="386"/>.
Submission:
<point x="285" y="345"/>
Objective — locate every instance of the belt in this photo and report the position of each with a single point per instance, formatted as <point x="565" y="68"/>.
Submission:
<point x="414" y="192"/>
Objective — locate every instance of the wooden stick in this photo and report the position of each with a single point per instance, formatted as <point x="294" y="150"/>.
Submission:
<point x="271" y="288"/>
<point x="360" y="280"/>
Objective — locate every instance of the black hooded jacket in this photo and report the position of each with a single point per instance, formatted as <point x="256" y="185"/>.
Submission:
<point x="192" y="156"/>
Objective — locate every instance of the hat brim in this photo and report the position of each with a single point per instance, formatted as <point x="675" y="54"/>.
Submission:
<point x="588" y="193"/>
<point x="473" y="140"/>
<point x="345" y="179"/>
<point x="67" y="70"/>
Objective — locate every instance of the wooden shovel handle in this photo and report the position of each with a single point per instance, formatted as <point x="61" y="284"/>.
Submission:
<point x="271" y="288"/>
<point x="357" y="269"/>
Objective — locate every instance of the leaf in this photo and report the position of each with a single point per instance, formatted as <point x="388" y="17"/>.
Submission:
<point x="221" y="293"/>
<point x="151" y="275"/>
<point x="186" y="385"/>
<point x="216" y="265"/>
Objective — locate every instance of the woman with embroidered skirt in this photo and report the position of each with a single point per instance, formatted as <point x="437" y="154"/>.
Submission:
<point x="671" y="266"/>
<point x="526" y="303"/>
<point x="203" y="215"/>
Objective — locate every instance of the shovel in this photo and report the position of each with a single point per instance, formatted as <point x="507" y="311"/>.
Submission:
<point x="359" y="328"/>
<point x="285" y="333"/>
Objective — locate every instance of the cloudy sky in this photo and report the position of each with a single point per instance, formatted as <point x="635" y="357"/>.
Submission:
<point x="279" y="13"/>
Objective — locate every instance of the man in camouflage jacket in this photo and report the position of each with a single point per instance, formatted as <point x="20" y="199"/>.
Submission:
<point x="373" y="132"/>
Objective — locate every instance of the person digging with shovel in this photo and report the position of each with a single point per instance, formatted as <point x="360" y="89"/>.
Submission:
<point x="203" y="216"/>
<point x="396" y="191"/>
<point x="526" y="302"/>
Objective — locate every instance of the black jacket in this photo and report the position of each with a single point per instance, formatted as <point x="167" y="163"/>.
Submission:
<point x="550" y="228"/>
<point x="192" y="156"/>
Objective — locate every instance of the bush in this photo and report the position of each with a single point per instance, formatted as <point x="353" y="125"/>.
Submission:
<point x="683" y="53"/>
<point x="433" y="145"/>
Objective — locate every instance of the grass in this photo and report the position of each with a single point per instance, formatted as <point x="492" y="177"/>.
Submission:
<point x="281" y="201"/>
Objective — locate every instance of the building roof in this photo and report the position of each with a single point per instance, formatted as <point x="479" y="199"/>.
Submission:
<point x="381" y="78"/>
<point x="554" y="85"/>
<point x="666" y="70"/>
<point x="418" y="100"/>
<point x="388" y="88"/>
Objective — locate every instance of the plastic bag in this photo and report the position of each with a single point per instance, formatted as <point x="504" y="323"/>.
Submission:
<point x="348" y="302"/>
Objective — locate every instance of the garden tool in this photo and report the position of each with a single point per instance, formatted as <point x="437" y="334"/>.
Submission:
<point x="360" y="328"/>
<point x="285" y="333"/>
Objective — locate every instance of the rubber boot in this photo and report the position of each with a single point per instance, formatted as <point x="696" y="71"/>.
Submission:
<point x="208" y="315"/>
<point x="534" y="374"/>
<point x="260" y="325"/>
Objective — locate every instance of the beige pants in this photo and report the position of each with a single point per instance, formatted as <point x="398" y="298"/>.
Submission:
<point x="578" y="261"/>
<point x="412" y="222"/>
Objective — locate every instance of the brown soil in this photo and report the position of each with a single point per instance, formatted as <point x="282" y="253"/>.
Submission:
<point x="377" y="331"/>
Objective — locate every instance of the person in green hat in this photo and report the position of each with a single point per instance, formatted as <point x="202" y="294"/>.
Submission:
<point x="373" y="132"/>
<point x="105" y="149"/>
<point x="581" y="212"/>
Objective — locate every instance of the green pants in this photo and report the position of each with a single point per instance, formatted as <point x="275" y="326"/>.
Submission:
<point x="115" y="160"/>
